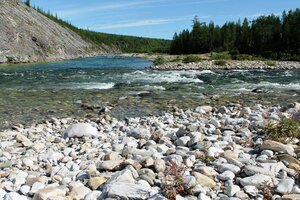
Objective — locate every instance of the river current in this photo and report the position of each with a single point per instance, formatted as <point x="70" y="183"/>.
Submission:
<point x="30" y="93"/>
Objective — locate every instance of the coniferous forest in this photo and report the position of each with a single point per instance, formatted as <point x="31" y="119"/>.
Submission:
<point x="272" y="37"/>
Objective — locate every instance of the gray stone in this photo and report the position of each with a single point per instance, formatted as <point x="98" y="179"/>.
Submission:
<point x="251" y="190"/>
<point x="226" y="175"/>
<point x="14" y="196"/>
<point x="36" y="187"/>
<point x="81" y="130"/>
<point x="159" y="165"/>
<point x="93" y="195"/>
<point x="50" y="192"/>
<point x="203" y="196"/>
<point x="121" y="190"/>
<point x="228" y="167"/>
<point x="182" y="141"/>
<point x="24" y="189"/>
<point x="231" y="190"/>
<point x="252" y="170"/>
<point x="139" y="133"/>
<point x="285" y="186"/>
<point x="109" y="165"/>
<point x="277" y="147"/>
<point x="255" y="180"/>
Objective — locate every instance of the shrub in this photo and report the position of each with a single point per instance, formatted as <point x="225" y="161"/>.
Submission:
<point x="220" y="62"/>
<point x="242" y="57"/>
<point x="177" y="59"/>
<point x="286" y="127"/>
<point x="173" y="182"/>
<point x="190" y="59"/>
<point x="270" y="63"/>
<point x="159" y="60"/>
<point x="220" y="56"/>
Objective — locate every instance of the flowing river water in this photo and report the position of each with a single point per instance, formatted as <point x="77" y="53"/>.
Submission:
<point x="30" y="93"/>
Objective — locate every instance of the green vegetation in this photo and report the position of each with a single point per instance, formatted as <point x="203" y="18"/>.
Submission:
<point x="286" y="127"/>
<point x="159" y="61"/>
<point x="190" y="59"/>
<point x="220" y="62"/>
<point x="220" y="56"/>
<point x="271" y="37"/>
<point x="27" y="2"/>
<point x="270" y="63"/>
<point x="128" y="44"/>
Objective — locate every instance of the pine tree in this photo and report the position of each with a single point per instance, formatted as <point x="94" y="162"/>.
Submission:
<point x="27" y="2"/>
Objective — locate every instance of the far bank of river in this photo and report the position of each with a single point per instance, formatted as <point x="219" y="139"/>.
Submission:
<point x="174" y="62"/>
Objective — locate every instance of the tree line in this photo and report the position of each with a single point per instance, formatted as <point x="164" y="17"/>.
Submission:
<point x="273" y="37"/>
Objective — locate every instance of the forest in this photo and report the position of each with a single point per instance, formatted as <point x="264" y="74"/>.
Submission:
<point x="127" y="44"/>
<point x="271" y="37"/>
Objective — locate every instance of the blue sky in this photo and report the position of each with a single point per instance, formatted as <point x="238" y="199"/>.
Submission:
<point x="158" y="18"/>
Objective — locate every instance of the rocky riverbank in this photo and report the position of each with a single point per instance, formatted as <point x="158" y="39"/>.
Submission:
<point x="229" y="64"/>
<point x="202" y="153"/>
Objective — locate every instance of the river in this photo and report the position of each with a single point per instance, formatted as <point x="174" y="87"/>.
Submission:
<point x="31" y="92"/>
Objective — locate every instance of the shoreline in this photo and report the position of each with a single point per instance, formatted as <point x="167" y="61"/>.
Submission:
<point x="230" y="65"/>
<point x="219" y="151"/>
<point x="169" y="65"/>
<point x="207" y="64"/>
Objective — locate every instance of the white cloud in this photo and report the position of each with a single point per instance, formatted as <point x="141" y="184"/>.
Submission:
<point x="102" y="7"/>
<point x="146" y="22"/>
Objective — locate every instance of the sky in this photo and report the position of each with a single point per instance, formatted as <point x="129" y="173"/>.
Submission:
<point x="158" y="18"/>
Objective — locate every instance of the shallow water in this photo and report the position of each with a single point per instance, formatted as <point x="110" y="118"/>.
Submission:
<point x="31" y="92"/>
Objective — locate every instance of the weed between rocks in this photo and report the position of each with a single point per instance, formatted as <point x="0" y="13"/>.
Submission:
<point x="286" y="127"/>
<point x="173" y="181"/>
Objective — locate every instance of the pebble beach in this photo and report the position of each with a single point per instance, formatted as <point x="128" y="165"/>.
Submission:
<point x="212" y="152"/>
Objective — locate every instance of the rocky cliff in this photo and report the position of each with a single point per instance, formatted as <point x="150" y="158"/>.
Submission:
<point x="28" y="36"/>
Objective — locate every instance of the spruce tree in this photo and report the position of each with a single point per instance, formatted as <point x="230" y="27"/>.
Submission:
<point x="27" y="2"/>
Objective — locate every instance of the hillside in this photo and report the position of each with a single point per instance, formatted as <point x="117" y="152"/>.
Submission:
<point x="28" y="36"/>
<point x="127" y="44"/>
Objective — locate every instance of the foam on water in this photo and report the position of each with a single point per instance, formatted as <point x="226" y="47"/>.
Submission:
<point x="91" y="86"/>
<point x="160" y="77"/>
<point x="153" y="87"/>
<point x="263" y="85"/>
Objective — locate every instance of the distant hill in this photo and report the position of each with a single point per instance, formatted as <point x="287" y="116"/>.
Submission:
<point x="127" y="44"/>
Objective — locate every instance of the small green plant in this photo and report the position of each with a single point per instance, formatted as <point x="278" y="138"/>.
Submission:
<point x="242" y="57"/>
<point x="270" y="63"/>
<point x="173" y="182"/>
<point x="159" y="60"/>
<point x="177" y="59"/>
<point x="286" y="127"/>
<point x="190" y="59"/>
<point x="220" y="62"/>
<point x="221" y="56"/>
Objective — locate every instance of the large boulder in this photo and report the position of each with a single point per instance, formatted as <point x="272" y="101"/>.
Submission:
<point x="121" y="190"/>
<point x="277" y="147"/>
<point x="81" y="130"/>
